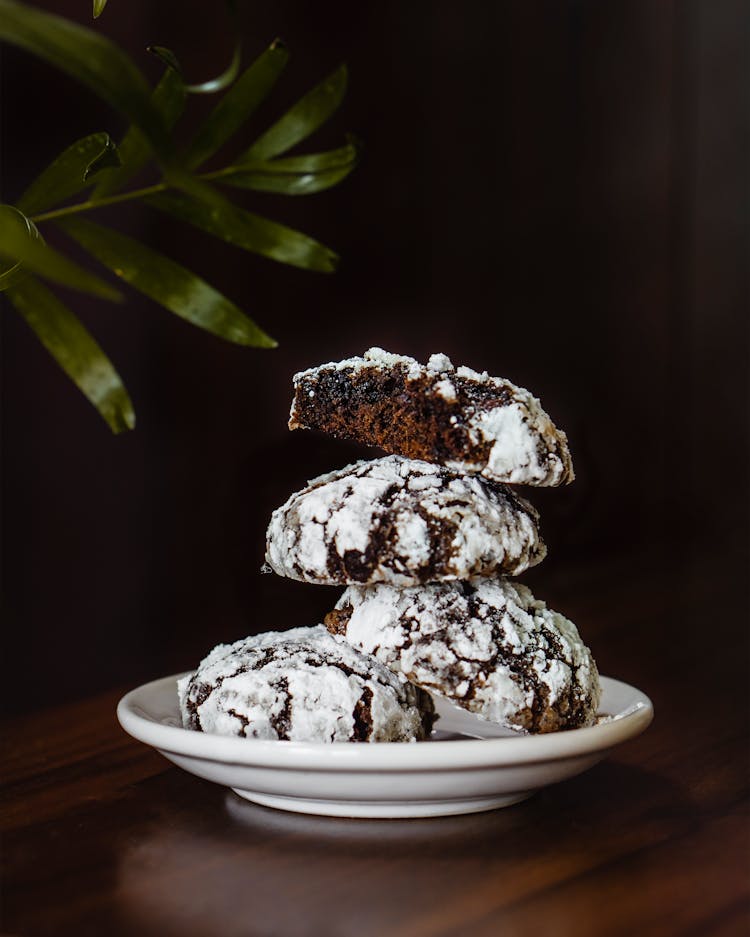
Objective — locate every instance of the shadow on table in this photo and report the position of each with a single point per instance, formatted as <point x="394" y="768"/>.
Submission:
<point x="229" y="867"/>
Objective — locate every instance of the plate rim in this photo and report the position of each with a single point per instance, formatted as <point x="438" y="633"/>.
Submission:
<point x="453" y="755"/>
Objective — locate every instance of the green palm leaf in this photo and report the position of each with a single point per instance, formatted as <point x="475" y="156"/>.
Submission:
<point x="295" y="175"/>
<point x="75" y="350"/>
<point x="167" y="282"/>
<point x="238" y="104"/>
<point x="89" y="58"/>
<point x="223" y="80"/>
<point x="304" y="118"/>
<point x="20" y="242"/>
<point x="246" y="230"/>
<point x="68" y="174"/>
<point x="168" y="99"/>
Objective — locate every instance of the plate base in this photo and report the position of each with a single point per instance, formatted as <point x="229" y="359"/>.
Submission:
<point x="469" y="766"/>
<point x="383" y="809"/>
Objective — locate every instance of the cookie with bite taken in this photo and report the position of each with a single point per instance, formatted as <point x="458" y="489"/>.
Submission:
<point x="436" y="412"/>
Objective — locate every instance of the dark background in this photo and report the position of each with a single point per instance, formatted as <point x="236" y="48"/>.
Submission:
<point x="555" y="192"/>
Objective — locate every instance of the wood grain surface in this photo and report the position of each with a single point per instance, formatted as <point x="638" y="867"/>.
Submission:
<point x="101" y="836"/>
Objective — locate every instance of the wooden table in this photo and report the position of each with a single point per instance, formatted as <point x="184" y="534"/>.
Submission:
<point x="103" y="837"/>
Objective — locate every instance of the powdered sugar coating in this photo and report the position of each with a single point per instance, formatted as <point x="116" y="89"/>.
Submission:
<point x="501" y="430"/>
<point x="401" y="521"/>
<point x="488" y="645"/>
<point x="377" y="356"/>
<point x="302" y="685"/>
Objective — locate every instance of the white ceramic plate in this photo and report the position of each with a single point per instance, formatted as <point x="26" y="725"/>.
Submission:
<point x="468" y="765"/>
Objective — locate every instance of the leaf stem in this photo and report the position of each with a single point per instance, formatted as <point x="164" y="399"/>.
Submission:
<point x="91" y="204"/>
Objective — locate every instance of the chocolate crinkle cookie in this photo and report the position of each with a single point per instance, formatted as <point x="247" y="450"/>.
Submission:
<point x="404" y="522"/>
<point x="487" y="645"/>
<point x="436" y="412"/>
<point x="302" y="685"/>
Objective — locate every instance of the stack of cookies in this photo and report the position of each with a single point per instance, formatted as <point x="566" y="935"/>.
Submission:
<point x="427" y="538"/>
